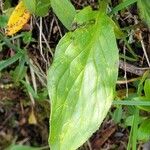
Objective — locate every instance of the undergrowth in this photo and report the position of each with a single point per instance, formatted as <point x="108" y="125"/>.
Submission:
<point x="78" y="64"/>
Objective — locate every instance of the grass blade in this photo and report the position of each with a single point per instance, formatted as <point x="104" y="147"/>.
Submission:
<point x="122" y="5"/>
<point x="131" y="103"/>
<point x="9" y="61"/>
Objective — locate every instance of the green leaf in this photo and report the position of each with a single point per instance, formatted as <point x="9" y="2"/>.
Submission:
<point x="9" y="61"/>
<point x="20" y="71"/>
<point x="81" y="83"/>
<point x="129" y="120"/>
<point x="85" y="15"/>
<point x="123" y="5"/>
<point x="147" y="88"/>
<point x="144" y="100"/>
<point x="27" y="37"/>
<point x="117" y="115"/>
<point x="132" y="142"/>
<point x="42" y="7"/>
<point x="144" y="130"/>
<point x="30" y="89"/>
<point x="12" y="46"/>
<point x="31" y="5"/>
<point x="140" y="86"/>
<point x="118" y="32"/>
<point x="37" y="7"/>
<point x="144" y="7"/>
<point x="135" y="102"/>
<point x="3" y="21"/>
<point x="64" y="11"/>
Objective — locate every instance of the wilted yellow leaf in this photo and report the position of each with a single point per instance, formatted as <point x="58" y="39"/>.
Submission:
<point x="32" y="118"/>
<point x="18" y="19"/>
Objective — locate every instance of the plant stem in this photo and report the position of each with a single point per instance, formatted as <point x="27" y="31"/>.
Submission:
<point x="103" y="5"/>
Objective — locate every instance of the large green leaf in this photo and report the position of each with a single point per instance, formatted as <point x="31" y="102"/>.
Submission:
<point x="37" y="7"/>
<point x="81" y="83"/>
<point x="144" y="7"/>
<point x="65" y="12"/>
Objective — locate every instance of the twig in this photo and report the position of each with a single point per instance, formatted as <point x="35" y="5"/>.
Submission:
<point x="131" y="68"/>
<point x="40" y="39"/>
<point x="44" y="38"/>
<point x="125" y="71"/>
<point x="128" y="81"/>
<point x="144" y="49"/>
<point x="89" y="145"/>
<point x="142" y="43"/>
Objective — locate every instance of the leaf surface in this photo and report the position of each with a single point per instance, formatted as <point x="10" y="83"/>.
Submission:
<point x="144" y="130"/>
<point x="18" y="19"/>
<point x="147" y="88"/>
<point x="144" y="7"/>
<point x="85" y="15"/>
<point x="81" y="83"/>
<point x="38" y="7"/>
<point x="64" y="11"/>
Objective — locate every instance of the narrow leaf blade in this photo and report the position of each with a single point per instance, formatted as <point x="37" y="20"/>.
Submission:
<point x="9" y="61"/>
<point x="144" y="7"/>
<point x="123" y="5"/>
<point x="147" y="88"/>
